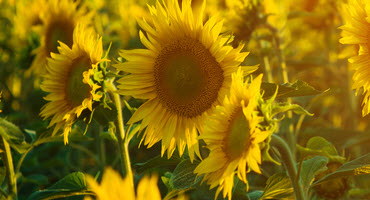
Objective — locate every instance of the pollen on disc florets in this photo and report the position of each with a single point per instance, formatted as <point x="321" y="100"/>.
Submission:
<point x="187" y="77"/>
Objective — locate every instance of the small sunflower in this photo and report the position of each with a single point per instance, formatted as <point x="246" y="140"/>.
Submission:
<point x="356" y="31"/>
<point x="28" y="18"/>
<point x="114" y="187"/>
<point x="184" y="73"/>
<point x="236" y="13"/>
<point x="59" y="19"/>
<point x="68" y="80"/>
<point x="233" y="134"/>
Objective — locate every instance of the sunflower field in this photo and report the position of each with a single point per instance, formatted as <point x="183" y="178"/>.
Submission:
<point x="184" y="99"/>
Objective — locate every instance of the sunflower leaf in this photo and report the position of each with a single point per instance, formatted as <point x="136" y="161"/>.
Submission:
<point x="157" y="161"/>
<point x="278" y="186"/>
<point x="283" y="107"/>
<point x="255" y="195"/>
<point x="183" y="175"/>
<point x="320" y="146"/>
<point x="13" y="135"/>
<point x="297" y="89"/>
<point x="355" y="167"/>
<point x="71" y="185"/>
<point x="311" y="167"/>
<point x="270" y="89"/>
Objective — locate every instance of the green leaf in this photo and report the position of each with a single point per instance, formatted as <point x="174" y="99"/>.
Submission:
<point x="183" y="176"/>
<point x="297" y="89"/>
<point x="278" y="186"/>
<point x="72" y="184"/>
<point x="157" y="161"/>
<point x="319" y="143"/>
<point x="174" y="193"/>
<point x="255" y="195"/>
<point x="355" y="167"/>
<point x="270" y="89"/>
<point x="283" y="107"/>
<point x="320" y="146"/>
<point x="13" y="136"/>
<point x="32" y="134"/>
<point x="301" y="88"/>
<point x="310" y="168"/>
<point x="166" y="180"/>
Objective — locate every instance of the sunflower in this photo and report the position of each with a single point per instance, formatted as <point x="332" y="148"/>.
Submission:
<point x="113" y="187"/>
<point x="28" y="18"/>
<point x="356" y="31"/>
<point x="59" y="18"/>
<point x="68" y="79"/>
<point x="233" y="134"/>
<point x="237" y="12"/>
<point x="184" y="73"/>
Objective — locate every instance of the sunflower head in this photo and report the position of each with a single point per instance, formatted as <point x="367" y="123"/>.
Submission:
<point x="114" y="187"/>
<point x="70" y="79"/>
<point x="234" y="134"/>
<point x="28" y="17"/>
<point x="236" y="14"/>
<point x="59" y="19"/>
<point x="356" y="31"/>
<point x="184" y="73"/>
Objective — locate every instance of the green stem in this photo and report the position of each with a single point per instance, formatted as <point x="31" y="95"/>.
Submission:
<point x="287" y="158"/>
<point x="267" y="65"/>
<point x="102" y="149"/>
<point x="120" y="134"/>
<point x="298" y="177"/>
<point x="19" y="164"/>
<point x="277" y="38"/>
<point x="8" y="162"/>
<point x="268" y="69"/>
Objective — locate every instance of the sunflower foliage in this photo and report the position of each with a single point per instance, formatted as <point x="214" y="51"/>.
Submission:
<point x="184" y="99"/>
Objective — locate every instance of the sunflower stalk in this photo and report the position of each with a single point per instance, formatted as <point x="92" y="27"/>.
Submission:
<point x="267" y="65"/>
<point x="10" y="175"/>
<point x="122" y="138"/>
<point x="290" y="165"/>
<point x="279" y="50"/>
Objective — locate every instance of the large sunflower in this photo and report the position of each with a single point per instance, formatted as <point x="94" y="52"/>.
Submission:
<point x="59" y="18"/>
<point x="184" y="73"/>
<point x="233" y="134"/>
<point x="68" y="79"/>
<point x="356" y="31"/>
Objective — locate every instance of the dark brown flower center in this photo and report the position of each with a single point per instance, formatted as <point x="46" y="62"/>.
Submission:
<point x="59" y="31"/>
<point x="238" y="135"/>
<point x="76" y="89"/>
<point x="187" y="77"/>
